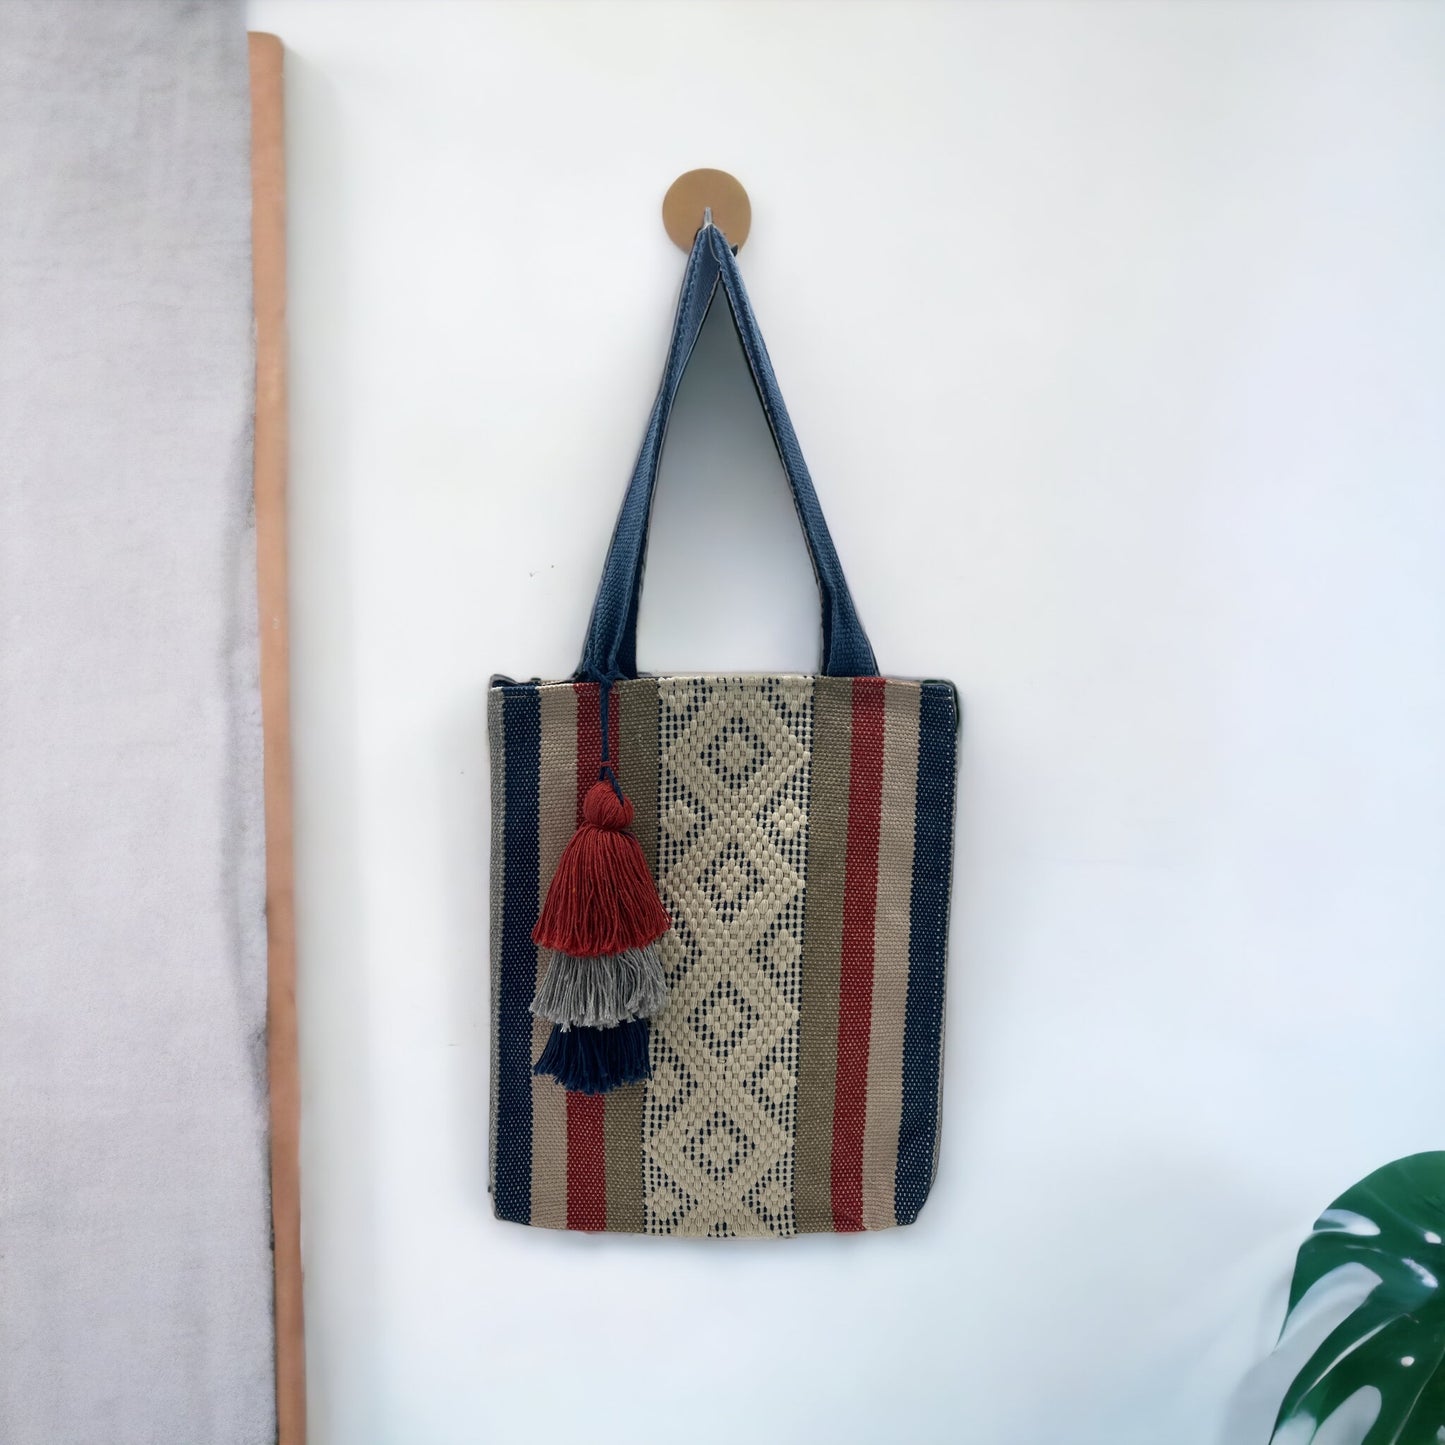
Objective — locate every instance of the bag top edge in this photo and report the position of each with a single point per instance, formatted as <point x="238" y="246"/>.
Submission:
<point x="500" y="680"/>
<point x="500" y="685"/>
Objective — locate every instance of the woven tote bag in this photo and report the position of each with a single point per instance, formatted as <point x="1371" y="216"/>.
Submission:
<point x="719" y="908"/>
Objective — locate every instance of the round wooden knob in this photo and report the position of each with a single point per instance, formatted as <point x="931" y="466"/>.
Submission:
<point x="695" y="192"/>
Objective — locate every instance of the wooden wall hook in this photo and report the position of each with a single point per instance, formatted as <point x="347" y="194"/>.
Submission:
<point x="694" y="192"/>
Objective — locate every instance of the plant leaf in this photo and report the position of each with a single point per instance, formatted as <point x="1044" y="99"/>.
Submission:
<point x="1393" y="1223"/>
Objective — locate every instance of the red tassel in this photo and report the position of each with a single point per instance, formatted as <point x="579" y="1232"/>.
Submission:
<point x="602" y="898"/>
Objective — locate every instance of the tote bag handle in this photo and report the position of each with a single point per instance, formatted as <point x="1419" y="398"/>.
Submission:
<point x="610" y="652"/>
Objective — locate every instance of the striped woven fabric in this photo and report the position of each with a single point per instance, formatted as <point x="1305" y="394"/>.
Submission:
<point x="800" y="830"/>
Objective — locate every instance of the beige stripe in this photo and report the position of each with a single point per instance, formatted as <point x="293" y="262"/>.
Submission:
<point x="556" y="822"/>
<point x="822" y="948"/>
<point x="637" y="772"/>
<point x="890" y="952"/>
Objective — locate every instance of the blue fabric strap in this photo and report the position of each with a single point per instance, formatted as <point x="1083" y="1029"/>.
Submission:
<point x="610" y="652"/>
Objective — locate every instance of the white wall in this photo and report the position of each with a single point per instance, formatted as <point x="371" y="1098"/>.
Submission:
<point x="1115" y="335"/>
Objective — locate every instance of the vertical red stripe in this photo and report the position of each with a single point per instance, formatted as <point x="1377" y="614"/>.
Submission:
<point x="586" y="1161"/>
<point x="587" y="1114"/>
<point x="855" y="976"/>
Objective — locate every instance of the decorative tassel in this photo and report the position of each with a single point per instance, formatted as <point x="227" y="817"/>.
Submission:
<point x="602" y="919"/>
<point x="602" y="898"/>
<point x="595" y="1061"/>
<point x="601" y="993"/>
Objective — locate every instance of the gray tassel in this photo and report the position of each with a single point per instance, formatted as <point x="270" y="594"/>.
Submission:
<point x="601" y="993"/>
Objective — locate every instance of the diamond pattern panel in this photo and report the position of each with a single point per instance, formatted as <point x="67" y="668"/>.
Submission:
<point x="718" y="1122"/>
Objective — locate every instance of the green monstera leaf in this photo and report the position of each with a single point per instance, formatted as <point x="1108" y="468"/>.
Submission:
<point x="1390" y="1351"/>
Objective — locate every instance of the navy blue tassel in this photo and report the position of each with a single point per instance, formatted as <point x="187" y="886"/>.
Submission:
<point x="594" y="1061"/>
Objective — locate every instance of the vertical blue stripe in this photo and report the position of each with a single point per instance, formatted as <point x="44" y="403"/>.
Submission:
<point x="927" y="948"/>
<point x="522" y="723"/>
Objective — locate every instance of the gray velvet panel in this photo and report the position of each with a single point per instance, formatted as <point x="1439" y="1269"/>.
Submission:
<point x="135" y="1271"/>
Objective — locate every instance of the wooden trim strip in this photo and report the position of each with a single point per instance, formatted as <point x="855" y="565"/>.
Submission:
<point x="268" y="253"/>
